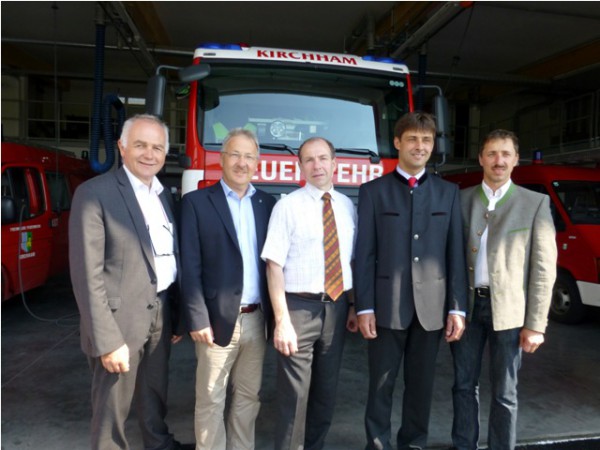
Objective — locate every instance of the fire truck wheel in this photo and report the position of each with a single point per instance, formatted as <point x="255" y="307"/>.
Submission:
<point x="566" y="306"/>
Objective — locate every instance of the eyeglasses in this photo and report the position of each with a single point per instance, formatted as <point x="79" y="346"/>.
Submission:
<point x="237" y="156"/>
<point x="161" y="238"/>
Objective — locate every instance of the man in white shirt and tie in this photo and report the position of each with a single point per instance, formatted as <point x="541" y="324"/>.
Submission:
<point x="309" y="283"/>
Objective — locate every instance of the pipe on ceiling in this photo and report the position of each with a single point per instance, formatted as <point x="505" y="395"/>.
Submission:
<point x="447" y="12"/>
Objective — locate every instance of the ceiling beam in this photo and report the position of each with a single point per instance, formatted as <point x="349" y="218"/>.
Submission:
<point x="573" y="60"/>
<point x="438" y="20"/>
<point x="148" y="23"/>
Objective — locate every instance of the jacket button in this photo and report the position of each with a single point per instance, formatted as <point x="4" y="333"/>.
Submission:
<point x="416" y="237"/>
<point x="479" y="233"/>
<point x="416" y="259"/>
<point x="474" y="249"/>
<point x="150" y="306"/>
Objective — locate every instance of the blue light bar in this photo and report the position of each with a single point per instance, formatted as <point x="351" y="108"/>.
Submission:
<point x="216" y="46"/>
<point x="381" y="59"/>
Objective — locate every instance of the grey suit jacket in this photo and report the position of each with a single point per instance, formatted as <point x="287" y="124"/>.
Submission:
<point x="409" y="254"/>
<point x="112" y="263"/>
<point x="521" y="254"/>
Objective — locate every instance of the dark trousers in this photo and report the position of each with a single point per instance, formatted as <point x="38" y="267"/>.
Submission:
<point x="505" y="361"/>
<point x="146" y="384"/>
<point x="419" y="349"/>
<point x="307" y="381"/>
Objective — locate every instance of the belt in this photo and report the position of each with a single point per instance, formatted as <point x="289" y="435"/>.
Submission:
<point x="248" y="308"/>
<point x="482" y="291"/>
<point x="320" y="297"/>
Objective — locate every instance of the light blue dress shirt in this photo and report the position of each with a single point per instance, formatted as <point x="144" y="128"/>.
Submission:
<point x="242" y="214"/>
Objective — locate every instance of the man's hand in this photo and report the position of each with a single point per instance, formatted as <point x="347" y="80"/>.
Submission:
<point x="352" y="320"/>
<point x="367" y="325"/>
<point x="285" y="340"/>
<point x="455" y="326"/>
<point x="117" y="361"/>
<point x="530" y="340"/>
<point x="175" y="339"/>
<point x="204" y="335"/>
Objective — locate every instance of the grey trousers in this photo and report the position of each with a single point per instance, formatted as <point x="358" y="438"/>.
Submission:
<point x="145" y="384"/>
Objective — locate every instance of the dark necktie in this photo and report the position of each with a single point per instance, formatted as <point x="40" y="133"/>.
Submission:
<point x="334" y="282"/>
<point x="412" y="181"/>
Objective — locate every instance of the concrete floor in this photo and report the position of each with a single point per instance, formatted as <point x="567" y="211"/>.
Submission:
<point x="46" y="383"/>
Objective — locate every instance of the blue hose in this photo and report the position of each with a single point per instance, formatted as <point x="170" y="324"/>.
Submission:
<point x="103" y="123"/>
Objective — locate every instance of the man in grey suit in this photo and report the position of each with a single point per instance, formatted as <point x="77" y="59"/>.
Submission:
<point x="410" y="282"/>
<point x="123" y="258"/>
<point x="511" y="255"/>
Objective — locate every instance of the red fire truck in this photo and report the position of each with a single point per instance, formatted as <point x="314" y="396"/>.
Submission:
<point x="285" y="97"/>
<point x="575" y="202"/>
<point x="37" y="187"/>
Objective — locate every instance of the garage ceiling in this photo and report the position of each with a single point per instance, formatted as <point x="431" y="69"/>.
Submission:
<point x="471" y="47"/>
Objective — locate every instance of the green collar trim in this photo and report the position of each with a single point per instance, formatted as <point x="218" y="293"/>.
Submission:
<point x="505" y="197"/>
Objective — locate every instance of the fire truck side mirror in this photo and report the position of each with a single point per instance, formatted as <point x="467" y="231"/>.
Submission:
<point x="155" y="95"/>
<point x="9" y="210"/>
<point x="194" y="73"/>
<point x="443" y="145"/>
<point x="155" y="91"/>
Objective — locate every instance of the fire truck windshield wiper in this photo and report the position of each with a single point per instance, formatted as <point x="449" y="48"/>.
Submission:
<point x="375" y="158"/>
<point x="281" y="147"/>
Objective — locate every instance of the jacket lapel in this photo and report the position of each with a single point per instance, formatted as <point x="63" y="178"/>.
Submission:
<point x="217" y="198"/>
<point x="137" y="217"/>
<point x="260" y="218"/>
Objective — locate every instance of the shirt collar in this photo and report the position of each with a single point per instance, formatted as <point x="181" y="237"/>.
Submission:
<point x="139" y="185"/>
<point x="490" y="194"/>
<point x="228" y="191"/>
<point x="317" y="193"/>
<point x="407" y="175"/>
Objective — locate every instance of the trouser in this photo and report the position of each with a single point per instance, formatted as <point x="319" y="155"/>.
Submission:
<point x="307" y="381"/>
<point x="505" y="361"/>
<point x="419" y="349"/>
<point x="239" y="365"/>
<point x="146" y="384"/>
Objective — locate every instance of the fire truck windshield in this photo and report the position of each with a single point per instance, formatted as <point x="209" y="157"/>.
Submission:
<point x="285" y="106"/>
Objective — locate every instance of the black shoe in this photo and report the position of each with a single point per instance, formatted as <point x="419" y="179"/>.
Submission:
<point x="180" y="446"/>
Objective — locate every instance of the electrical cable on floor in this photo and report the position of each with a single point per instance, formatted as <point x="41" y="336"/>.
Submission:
<point x="35" y="361"/>
<point x="56" y="321"/>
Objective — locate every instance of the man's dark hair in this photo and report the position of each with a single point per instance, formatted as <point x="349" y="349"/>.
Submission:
<point x="313" y="139"/>
<point x="420" y="121"/>
<point x="500" y="135"/>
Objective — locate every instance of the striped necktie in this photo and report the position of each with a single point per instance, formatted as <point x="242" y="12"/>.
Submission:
<point x="334" y="282"/>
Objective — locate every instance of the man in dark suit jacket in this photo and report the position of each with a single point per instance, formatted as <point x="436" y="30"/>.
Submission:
<point x="410" y="282"/>
<point x="123" y="258"/>
<point x="224" y="293"/>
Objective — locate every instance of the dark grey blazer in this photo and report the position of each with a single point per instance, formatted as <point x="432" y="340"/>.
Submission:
<point x="212" y="266"/>
<point x="112" y="264"/>
<point x="409" y="256"/>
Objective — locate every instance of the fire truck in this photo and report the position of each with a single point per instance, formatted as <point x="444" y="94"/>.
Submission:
<point x="37" y="187"/>
<point x="575" y="203"/>
<point x="285" y="97"/>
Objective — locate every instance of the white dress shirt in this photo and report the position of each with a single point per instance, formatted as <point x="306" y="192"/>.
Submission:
<point x="160" y="229"/>
<point x="295" y="238"/>
<point x="482" y="274"/>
